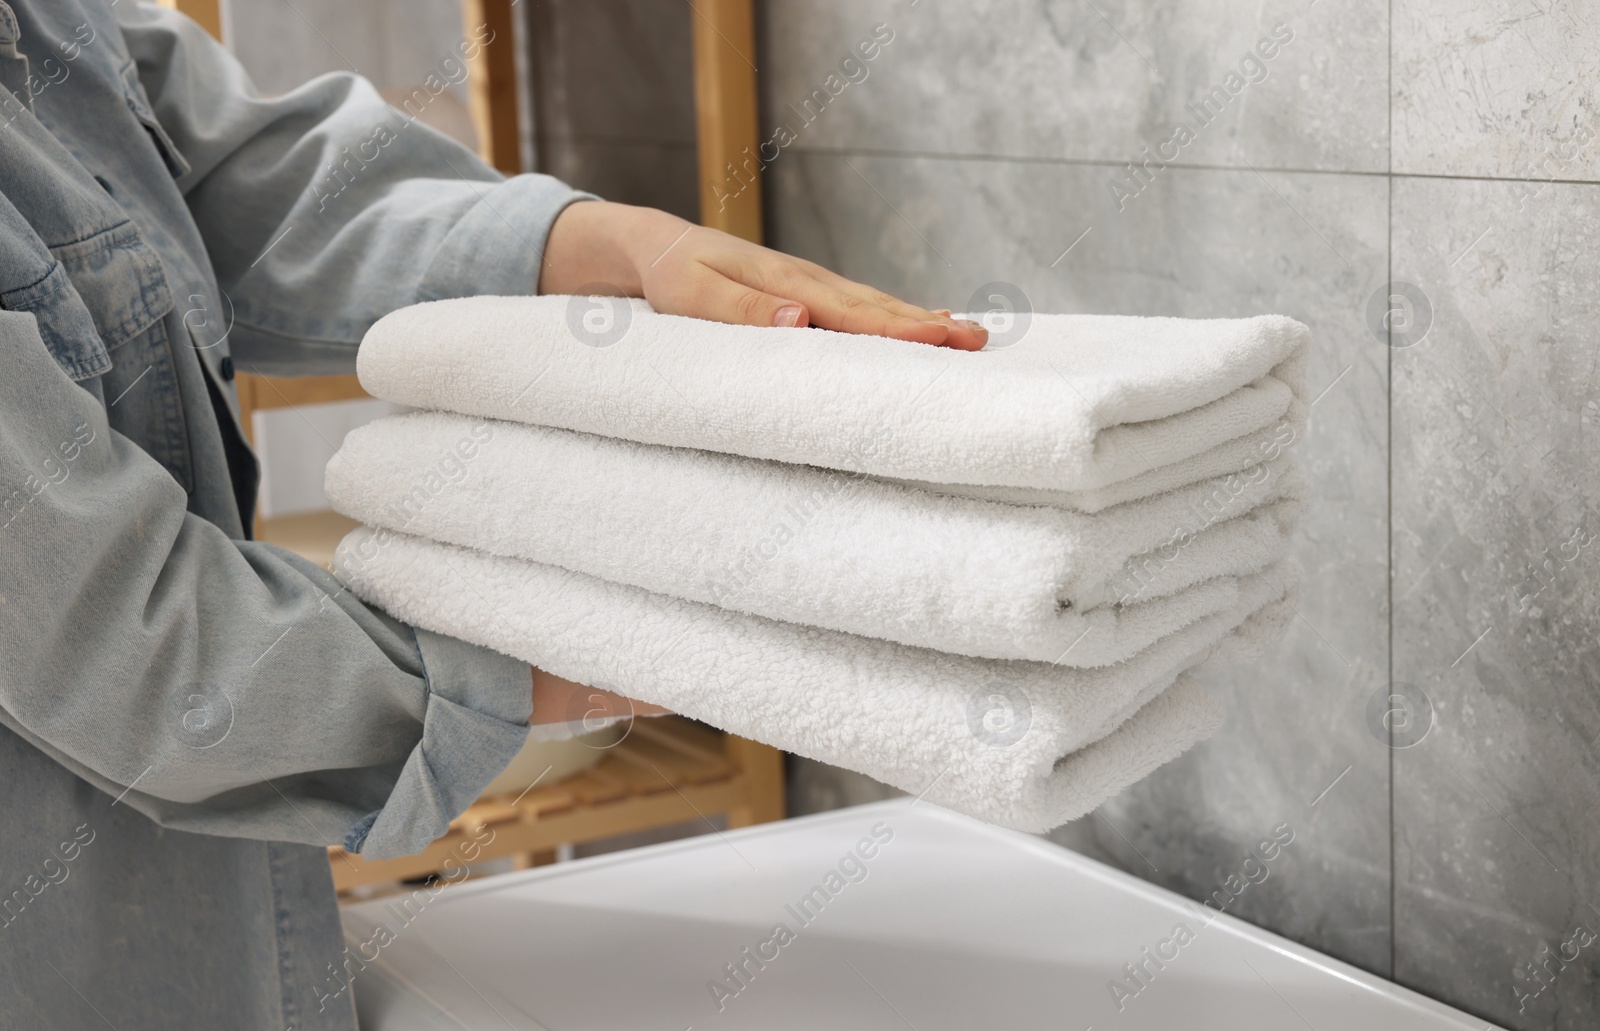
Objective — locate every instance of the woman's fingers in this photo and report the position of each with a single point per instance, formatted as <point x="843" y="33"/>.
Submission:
<point x="713" y="296"/>
<point x="851" y="312"/>
<point x="710" y="275"/>
<point x="857" y="308"/>
<point x="848" y="313"/>
<point x="806" y="302"/>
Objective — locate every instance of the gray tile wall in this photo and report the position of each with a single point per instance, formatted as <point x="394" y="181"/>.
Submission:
<point x="1382" y="142"/>
<point x="1496" y="600"/>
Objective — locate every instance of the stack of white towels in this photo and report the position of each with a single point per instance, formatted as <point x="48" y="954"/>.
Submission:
<point x="981" y="577"/>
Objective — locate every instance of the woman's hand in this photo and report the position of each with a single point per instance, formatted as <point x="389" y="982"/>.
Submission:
<point x="684" y="269"/>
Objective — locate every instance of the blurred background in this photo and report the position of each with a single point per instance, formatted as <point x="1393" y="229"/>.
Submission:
<point x="1418" y="181"/>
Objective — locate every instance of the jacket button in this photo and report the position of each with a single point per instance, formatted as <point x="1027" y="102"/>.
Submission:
<point x="227" y="367"/>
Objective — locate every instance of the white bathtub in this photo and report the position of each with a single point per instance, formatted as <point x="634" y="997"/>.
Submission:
<point x="946" y="924"/>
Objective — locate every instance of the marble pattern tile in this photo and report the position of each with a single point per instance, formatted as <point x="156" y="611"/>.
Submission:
<point x="1195" y="243"/>
<point x="1497" y="599"/>
<point x="1088" y="79"/>
<point x="1503" y="88"/>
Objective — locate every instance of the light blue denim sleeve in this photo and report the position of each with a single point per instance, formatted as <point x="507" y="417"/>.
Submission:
<point x="230" y="687"/>
<point x="218" y="686"/>
<point x="325" y="208"/>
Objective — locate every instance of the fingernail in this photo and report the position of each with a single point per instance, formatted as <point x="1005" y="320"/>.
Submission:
<point x="942" y="311"/>
<point x="788" y="315"/>
<point x="974" y="326"/>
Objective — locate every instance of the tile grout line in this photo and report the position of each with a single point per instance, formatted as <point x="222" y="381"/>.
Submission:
<point x="1034" y="159"/>
<point x="1394" y="936"/>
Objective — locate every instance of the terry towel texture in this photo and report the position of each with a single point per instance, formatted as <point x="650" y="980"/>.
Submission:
<point x="897" y="713"/>
<point x="1072" y="406"/>
<point x="822" y="547"/>
<point x="988" y="577"/>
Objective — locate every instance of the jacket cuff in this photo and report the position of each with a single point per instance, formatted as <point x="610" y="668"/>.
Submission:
<point x="497" y="247"/>
<point x="478" y="706"/>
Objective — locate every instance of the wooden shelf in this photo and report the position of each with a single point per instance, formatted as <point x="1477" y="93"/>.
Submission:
<point x="667" y="770"/>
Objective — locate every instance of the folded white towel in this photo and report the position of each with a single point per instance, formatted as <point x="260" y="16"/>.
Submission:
<point x="920" y="720"/>
<point x="822" y="547"/>
<point x="1170" y="724"/>
<point x="1080" y="402"/>
<point x="1264" y="446"/>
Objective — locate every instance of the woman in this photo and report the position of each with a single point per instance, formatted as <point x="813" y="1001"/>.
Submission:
<point x="188" y="718"/>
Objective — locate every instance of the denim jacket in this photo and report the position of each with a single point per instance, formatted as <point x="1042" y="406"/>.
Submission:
<point x="188" y="718"/>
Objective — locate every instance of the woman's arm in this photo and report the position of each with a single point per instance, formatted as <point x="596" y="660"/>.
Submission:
<point x="324" y="209"/>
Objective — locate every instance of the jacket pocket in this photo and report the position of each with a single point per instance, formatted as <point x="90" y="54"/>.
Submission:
<point x="65" y="324"/>
<point x="124" y="286"/>
<point x="120" y="280"/>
